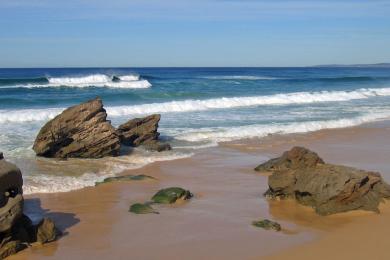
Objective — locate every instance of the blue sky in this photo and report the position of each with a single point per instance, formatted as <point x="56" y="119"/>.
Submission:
<point x="137" y="33"/>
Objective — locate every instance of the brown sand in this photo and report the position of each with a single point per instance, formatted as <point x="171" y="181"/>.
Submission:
<point x="216" y="223"/>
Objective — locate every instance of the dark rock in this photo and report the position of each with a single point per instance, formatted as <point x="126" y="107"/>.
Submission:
<point x="1" y="156"/>
<point x="46" y="231"/>
<point x="142" y="131"/>
<point x="80" y="131"/>
<point x="11" y="248"/>
<point x="139" y="208"/>
<point x="327" y="188"/>
<point x="171" y="195"/>
<point x="267" y="224"/>
<point x="126" y="178"/>
<point x="297" y="157"/>
<point x="11" y="199"/>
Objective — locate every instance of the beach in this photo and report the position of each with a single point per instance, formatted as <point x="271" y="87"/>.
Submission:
<point x="216" y="223"/>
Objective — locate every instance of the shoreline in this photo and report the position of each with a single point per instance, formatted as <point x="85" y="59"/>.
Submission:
<point x="228" y="196"/>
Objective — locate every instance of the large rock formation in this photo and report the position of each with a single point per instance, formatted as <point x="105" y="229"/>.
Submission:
<point x="301" y="174"/>
<point x="16" y="230"/>
<point x="80" y="131"/>
<point x="11" y="198"/>
<point x="142" y="131"/>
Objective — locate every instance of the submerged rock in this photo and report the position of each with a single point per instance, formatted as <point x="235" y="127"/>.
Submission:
<point x="81" y="131"/>
<point x="326" y="187"/>
<point x="142" y="131"/>
<point x="139" y="208"/>
<point x="267" y="224"/>
<point x="171" y="195"/>
<point x="126" y="178"/>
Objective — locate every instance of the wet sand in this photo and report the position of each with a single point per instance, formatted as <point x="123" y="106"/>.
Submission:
<point x="216" y="224"/>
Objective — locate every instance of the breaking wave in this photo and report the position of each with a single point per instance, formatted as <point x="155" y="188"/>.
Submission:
<point x="95" y="80"/>
<point x="225" y="134"/>
<point x="26" y="115"/>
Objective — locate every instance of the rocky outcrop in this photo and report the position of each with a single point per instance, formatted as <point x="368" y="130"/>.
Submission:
<point x="16" y="229"/>
<point x="142" y="131"/>
<point x="11" y="198"/>
<point x="81" y="131"/>
<point x="302" y="175"/>
<point x="267" y="225"/>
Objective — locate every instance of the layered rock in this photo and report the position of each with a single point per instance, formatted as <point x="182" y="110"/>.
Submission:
<point x="142" y="131"/>
<point x="81" y="131"/>
<point x="16" y="229"/>
<point x="302" y="175"/>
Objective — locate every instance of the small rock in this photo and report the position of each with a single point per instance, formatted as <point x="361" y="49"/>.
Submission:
<point x="46" y="231"/>
<point x="267" y="224"/>
<point x="139" y="208"/>
<point x="171" y="195"/>
<point x="1" y="156"/>
<point x="157" y="146"/>
<point x="126" y="178"/>
<point x="11" y="248"/>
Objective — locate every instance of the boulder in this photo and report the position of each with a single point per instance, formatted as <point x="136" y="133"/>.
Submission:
<point x="142" y="131"/>
<point x="171" y="195"/>
<point x="17" y="229"/>
<point x="81" y="131"/>
<point x="11" y="198"/>
<point x="267" y="225"/>
<point x="327" y="188"/>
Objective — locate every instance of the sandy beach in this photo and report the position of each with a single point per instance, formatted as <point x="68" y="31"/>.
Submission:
<point x="216" y="224"/>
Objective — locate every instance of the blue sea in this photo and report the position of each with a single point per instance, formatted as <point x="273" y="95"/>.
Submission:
<point x="200" y="108"/>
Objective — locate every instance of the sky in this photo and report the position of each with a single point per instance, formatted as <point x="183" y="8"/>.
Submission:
<point x="176" y="33"/>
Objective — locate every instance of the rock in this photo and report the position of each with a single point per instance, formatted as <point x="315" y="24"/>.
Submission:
<point x="267" y="224"/>
<point x="11" y="199"/>
<point x="126" y="178"/>
<point x="11" y="248"/>
<point x="171" y="195"/>
<point x="46" y="231"/>
<point x="81" y="131"/>
<point x="157" y="146"/>
<point x="297" y="157"/>
<point x="139" y="208"/>
<point x="1" y="156"/>
<point x="328" y="188"/>
<point x="142" y="131"/>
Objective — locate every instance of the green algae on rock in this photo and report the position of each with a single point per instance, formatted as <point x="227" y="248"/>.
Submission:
<point x="171" y="195"/>
<point x="140" y="177"/>
<point x="267" y="225"/>
<point x="139" y="208"/>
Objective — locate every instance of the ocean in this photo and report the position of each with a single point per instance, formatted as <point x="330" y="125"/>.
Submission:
<point x="200" y="108"/>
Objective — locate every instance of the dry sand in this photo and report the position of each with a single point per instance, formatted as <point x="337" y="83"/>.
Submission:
<point x="216" y="224"/>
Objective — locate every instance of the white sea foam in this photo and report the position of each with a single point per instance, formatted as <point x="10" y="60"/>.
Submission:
<point x="44" y="183"/>
<point x="27" y="115"/>
<point x="224" y="134"/>
<point x="97" y="80"/>
<point x="233" y="102"/>
<point x="129" y="77"/>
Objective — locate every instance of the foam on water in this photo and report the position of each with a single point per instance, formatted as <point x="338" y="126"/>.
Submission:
<point x="45" y="183"/>
<point x="27" y="115"/>
<point x="224" y="134"/>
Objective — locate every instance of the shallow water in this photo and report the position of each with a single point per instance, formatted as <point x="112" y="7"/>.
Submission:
<point x="200" y="107"/>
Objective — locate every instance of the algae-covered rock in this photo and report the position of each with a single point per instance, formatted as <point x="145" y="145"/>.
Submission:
<point x="140" y="177"/>
<point x="171" y="195"/>
<point x="267" y="224"/>
<point x="139" y="208"/>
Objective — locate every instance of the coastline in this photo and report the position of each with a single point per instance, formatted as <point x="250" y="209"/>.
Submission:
<point x="228" y="196"/>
